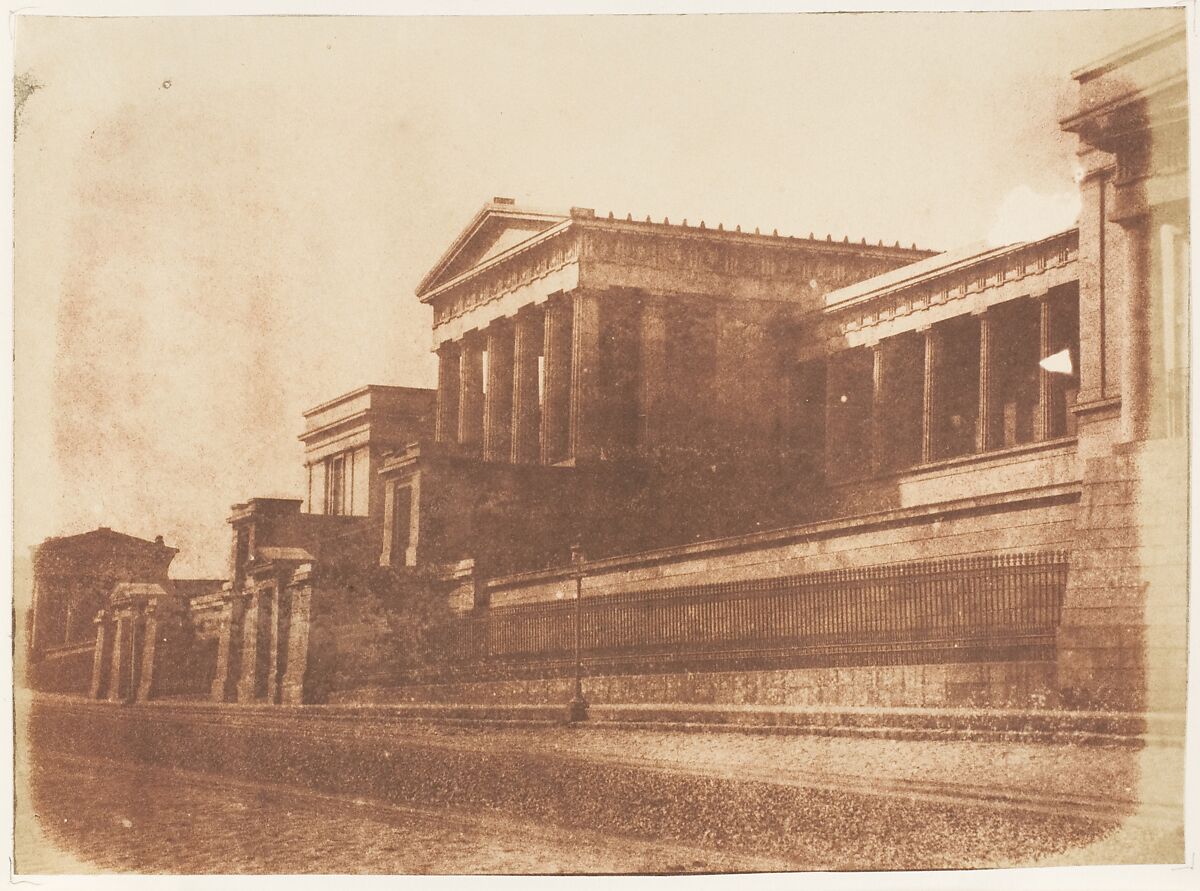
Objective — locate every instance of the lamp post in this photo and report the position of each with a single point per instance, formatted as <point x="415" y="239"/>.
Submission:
<point x="577" y="708"/>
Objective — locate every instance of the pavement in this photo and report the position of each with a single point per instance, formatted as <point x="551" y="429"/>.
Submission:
<point x="1047" y="777"/>
<point x="97" y="815"/>
<point x="645" y="800"/>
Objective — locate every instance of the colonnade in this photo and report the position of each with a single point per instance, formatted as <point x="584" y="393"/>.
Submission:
<point x="263" y="648"/>
<point x="537" y="397"/>
<point x="127" y="660"/>
<point x="948" y="392"/>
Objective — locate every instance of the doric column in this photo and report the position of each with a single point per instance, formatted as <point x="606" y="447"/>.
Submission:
<point x="928" y="402"/>
<point x="498" y="403"/>
<point x="100" y="657"/>
<point x="557" y="384"/>
<point x="528" y="333"/>
<point x="229" y="648"/>
<point x="1045" y="384"/>
<point x="585" y="369"/>
<point x="470" y="391"/>
<point x="118" y="681"/>
<point x="292" y="685"/>
<point x="983" y="435"/>
<point x="652" y="374"/>
<point x="446" y="426"/>
<point x="879" y="410"/>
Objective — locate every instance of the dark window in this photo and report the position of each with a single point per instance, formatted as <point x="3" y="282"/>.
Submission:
<point x="903" y="403"/>
<point x="1015" y="373"/>
<point x="956" y="394"/>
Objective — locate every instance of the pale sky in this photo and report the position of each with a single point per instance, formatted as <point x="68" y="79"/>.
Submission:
<point x="220" y="222"/>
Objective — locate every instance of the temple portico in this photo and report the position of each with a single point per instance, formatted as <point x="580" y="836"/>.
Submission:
<point x="584" y="342"/>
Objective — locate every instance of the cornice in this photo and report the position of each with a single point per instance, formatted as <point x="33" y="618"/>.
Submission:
<point x="1026" y="260"/>
<point x="499" y="260"/>
<point x="1125" y="54"/>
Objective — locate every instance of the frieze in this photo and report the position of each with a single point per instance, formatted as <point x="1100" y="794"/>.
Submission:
<point x="802" y="261"/>
<point x="1032" y="259"/>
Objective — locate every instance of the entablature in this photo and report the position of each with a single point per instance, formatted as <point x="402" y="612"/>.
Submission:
<point x="658" y="260"/>
<point x="1023" y="270"/>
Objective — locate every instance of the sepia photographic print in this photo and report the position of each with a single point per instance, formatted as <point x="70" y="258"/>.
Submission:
<point x="601" y="444"/>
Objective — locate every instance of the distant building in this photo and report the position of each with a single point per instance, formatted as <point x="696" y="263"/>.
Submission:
<point x="76" y="581"/>
<point x="345" y="440"/>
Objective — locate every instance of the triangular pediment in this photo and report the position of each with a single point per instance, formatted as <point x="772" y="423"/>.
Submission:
<point x="496" y="229"/>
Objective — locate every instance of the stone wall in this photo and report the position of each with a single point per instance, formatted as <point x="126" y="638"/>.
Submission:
<point x="1029" y="522"/>
<point x="63" y="670"/>
<point x="961" y="685"/>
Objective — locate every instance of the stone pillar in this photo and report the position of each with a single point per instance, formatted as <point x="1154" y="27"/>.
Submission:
<point x="151" y="656"/>
<point x="446" y="422"/>
<point x="1045" y="384"/>
<point x="229" y="648"/>
<point x="470" y="391"/>
<point x="928" y="403"/>
<point x="250" y="643"/>
<point x="118" y="679"/>
<point x="498" y="402"/>
<point x="557" y="383"/>
<point x="585" y="370"/>
<point x="983" y="434"/>
<point x="527" y="348"/>
<point x="1135" y="365"/>
<point x="277" y="634"/>
<point x="301" y="589"/>
<point x="1094" y="302"/>
<point x="652" y="375"/>
<point x="880" y="433"/>
<point x="100" y="657"/>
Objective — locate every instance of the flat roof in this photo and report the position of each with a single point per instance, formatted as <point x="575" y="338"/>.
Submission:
<point x="368" y="388"/>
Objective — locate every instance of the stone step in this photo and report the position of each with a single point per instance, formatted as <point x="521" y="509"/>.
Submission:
<point x="1045" y="725"/>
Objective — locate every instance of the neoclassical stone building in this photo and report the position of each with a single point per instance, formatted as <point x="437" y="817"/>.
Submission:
<point x="802" y="470"/>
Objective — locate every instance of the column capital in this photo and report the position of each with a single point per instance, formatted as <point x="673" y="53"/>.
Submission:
<point x="236" y="595"/>
<point x="474" y="337"/>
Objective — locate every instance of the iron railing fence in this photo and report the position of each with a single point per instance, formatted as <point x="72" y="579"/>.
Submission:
<point x="994" y="606"/>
